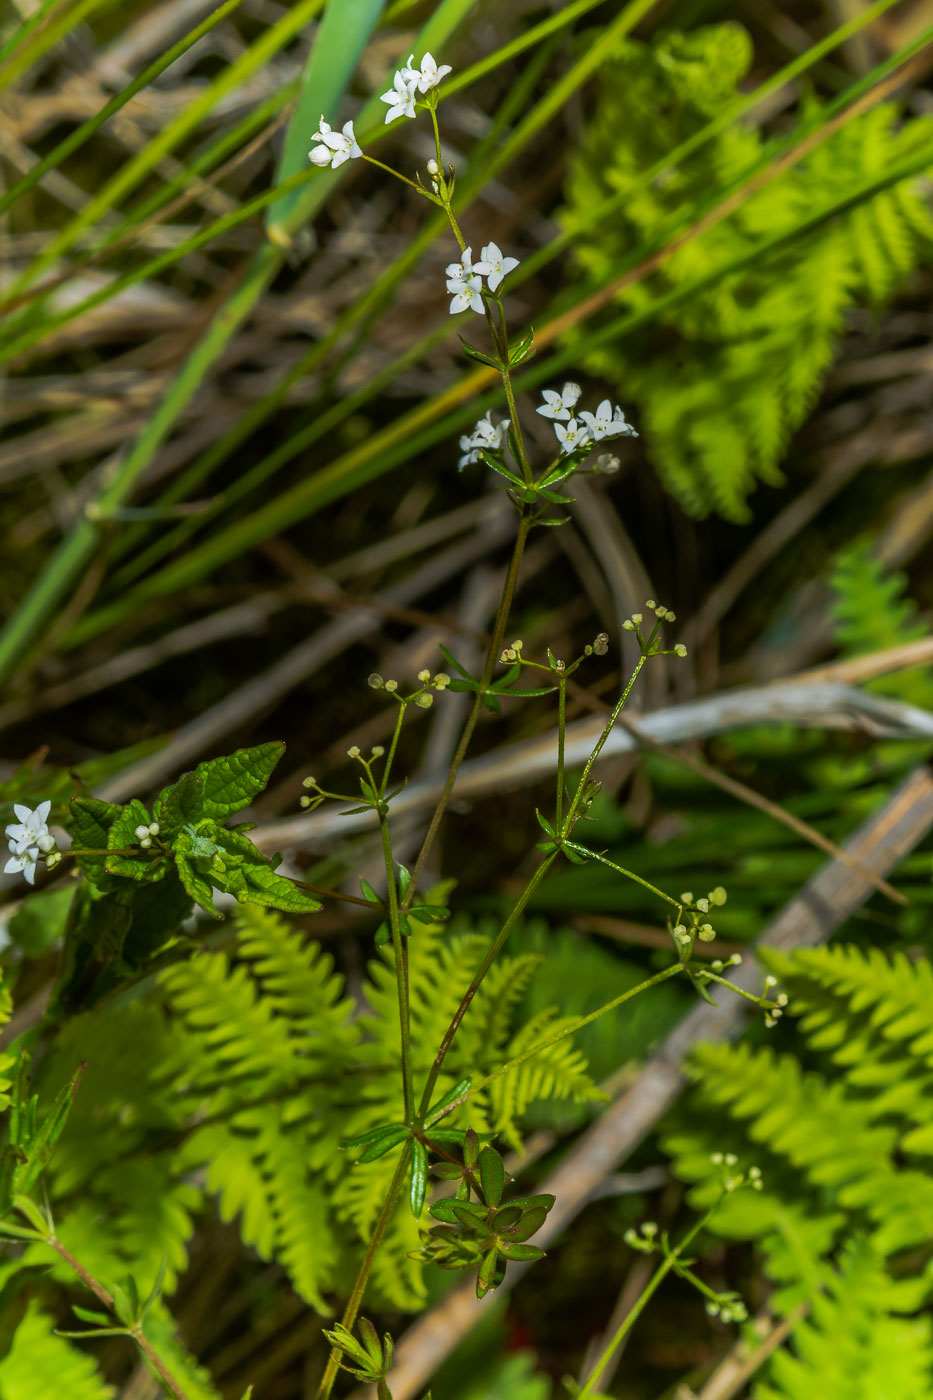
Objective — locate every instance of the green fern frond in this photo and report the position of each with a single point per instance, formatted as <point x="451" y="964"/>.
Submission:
<point x="558" y="1072"/>
<point x="229" y="1026"/>
<point x="298" y="981"/>
<point x="870" y="614"/>
<point x="855" y="1343"/>
<point x="43" y="1366"/>
<point x="722" y="379"/>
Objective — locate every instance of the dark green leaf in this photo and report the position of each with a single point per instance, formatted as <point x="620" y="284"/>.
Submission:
<point x="429" y="913"/>
<point x="521" y="1251"/>
<point x="505" y="1218"/>
<point x="491" y="1175"/>
<point x="392" y="1138"/>
<point x="489" y="1275"/>
<point x="90" y="822"/>
<point x="179" y="805"/>
<point x="368" y="892"/>
<point x="452" y="661"/>
<point x="444" y="1210"/>
<point x="404" y="880"/>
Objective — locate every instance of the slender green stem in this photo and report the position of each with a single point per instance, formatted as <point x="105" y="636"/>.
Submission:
<point x="87" y="129"/>
<point x="492" y="656"/>
<point x="479" y="975"/>
<point x="638" y="1307"/>
<point x="371" y="160"/>
<point x="359" y="1287"/>
<point x="597" y="750"/>
<point x="390" y="756"/>
<point x="621" y="870"/>
<point x="401" y="969"/>
<point x="134" y="1330"/>
<point x="561" y="734"/>
<point x="571" y="1029"/>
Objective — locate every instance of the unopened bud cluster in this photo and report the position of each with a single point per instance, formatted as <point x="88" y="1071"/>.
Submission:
<point x="662" y="614"/>
<point x="144" y="834"/>
<point x="513" y="652"/>
<point x="732" y="1180"/>
<point x="695" y="924"/>
<point x="646" y="1242"/>
<point x="422" y="698"/>
<point x="773" y="1007"/>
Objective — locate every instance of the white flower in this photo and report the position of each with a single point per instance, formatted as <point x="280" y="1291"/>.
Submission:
<point x="571" y="435"/>
<point x="466" y="291"/>
<point x="494" y="266"/>
<point x="401" y="95"/>
<point x="559" y="405"/>
<point x="335" y="147"/>
<point x="606" y="422"/>
<point x="485" y="434"/>
<point x="31" y="825"/>
<point x="463" y="268"/>
<point x="24" y="861"/>
<point x="428" y="76"/>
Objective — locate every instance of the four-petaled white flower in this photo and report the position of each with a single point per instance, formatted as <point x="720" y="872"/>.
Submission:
<point x="571" y="435"/>
<point x="464" y="268"/>
<point x="428" y="76"/>
<point x="335" y="146"/>
<point x="31" y="825"/>
<point x="494" y="266"/>
<point x="560" y="405"/>
<point x="401" y="95"/>
<point x="466" y="292"/>
<point x="29" y="838"/>
<point x="485" y="434"/>
<point x="606" y="423"/>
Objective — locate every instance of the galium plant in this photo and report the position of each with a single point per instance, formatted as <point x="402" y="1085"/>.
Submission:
<point x="144" y="875"/>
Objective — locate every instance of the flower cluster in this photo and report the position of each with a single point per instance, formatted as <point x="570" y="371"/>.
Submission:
<point x="572" y="432"/>
<point x="465" y="278"/>
<point x="335" y="146"/>
<point x="408" y="82"/>
<point x="486" y="436"/>
<point x="29" y="838"/>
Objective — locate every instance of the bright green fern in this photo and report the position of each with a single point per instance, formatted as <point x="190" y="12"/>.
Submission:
<point x="723" y="380"/>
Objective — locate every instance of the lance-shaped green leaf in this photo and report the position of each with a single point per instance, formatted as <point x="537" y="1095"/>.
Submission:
<point x="377" y="1143"/>
<point x="525" y="1252"/>
<point x="522" y="349"/>
<point x="437" y="1108"/>
<point x="491" y="1175"/>
<point x="490" y="1275"/>
<point x="43" y="1140"/>
<point x="419" y="1178"/>
<point x="484" y="359"/>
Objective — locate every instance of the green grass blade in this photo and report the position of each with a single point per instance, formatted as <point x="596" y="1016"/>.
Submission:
<point x="146" y="160"/>
<point x="87" y="129"/>
<point x="45" y="37"/>
<point x="153" y="266"/>
<point x="341" y="38"/>
<point x="78" y="546"/>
